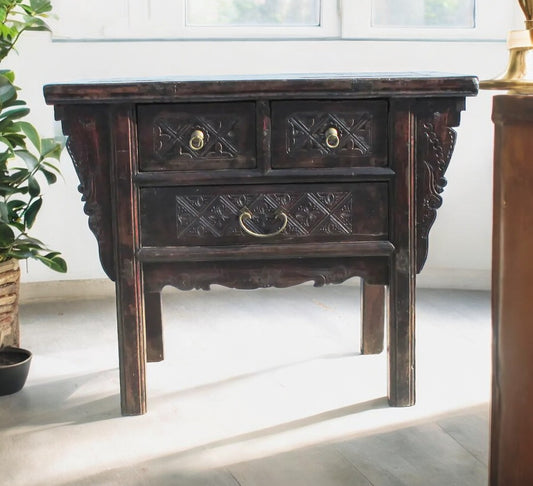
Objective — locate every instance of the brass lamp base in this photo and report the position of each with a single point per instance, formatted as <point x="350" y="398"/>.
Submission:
<point x="519" y="75"/>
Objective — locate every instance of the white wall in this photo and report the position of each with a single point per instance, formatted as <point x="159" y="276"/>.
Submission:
<point x="460" y="243"/>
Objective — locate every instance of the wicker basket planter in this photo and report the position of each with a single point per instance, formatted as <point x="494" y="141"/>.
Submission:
<point x="14" y="362"/>
<point x="9" y="299"/>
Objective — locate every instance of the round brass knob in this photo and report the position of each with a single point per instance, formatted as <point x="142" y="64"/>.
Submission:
<point x="332" y="138"/>
<point x="196" y="142"/>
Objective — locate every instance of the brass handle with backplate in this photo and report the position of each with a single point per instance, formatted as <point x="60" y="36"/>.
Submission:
<point x="196" y="142"/>
<point x="246" y="215"/>
<point x="332" y="138"/>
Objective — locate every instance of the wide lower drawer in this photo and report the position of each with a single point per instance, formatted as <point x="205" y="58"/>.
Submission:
<point x="263" y="214"/>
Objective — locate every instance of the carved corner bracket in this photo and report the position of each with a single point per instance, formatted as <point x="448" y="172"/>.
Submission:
<point x="88" y="145"/>
<point x="436" y="141"/>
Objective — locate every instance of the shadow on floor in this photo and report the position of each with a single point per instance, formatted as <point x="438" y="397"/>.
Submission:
<point x="407" y="455"/>
<point x="53" y="402"/>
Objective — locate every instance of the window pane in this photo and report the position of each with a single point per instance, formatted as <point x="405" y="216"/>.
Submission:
<point x="253" y="12"/>
<point x="98" y="18"/>
<point x="423" y="13"/>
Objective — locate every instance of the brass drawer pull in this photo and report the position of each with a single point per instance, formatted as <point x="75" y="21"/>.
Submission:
<point x="246" y="214"/>
<point x="196" y="141"/>
<point x="332" y="138"/>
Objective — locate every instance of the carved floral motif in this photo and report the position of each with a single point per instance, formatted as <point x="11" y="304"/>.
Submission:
<point x="308" y="213"/>
<point x="437" y="141"/>
<point x="306" y="132"/>
<point x="172" y="136"/>
<point x="85" y="128"/>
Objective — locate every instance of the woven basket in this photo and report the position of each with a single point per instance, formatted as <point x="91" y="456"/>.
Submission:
<point x="9" y="300"/>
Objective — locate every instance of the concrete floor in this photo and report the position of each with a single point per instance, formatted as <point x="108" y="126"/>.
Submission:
<point x="258" y="388"/>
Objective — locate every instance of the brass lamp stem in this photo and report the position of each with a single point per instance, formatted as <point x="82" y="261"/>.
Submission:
<point x="527" y="8"/>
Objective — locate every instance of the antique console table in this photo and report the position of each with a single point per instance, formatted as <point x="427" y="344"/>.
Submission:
<point x="258" y="182"/>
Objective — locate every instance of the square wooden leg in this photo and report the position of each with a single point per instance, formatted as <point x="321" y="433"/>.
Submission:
<point x="401" y="338"/>
<point x="154" y="326"/>
<point x="372" y="318"/>
<point x="131" y="345"/>
<point x="128" y="269"/>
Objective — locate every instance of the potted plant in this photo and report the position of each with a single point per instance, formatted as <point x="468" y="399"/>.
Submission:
<point x="26" y="162"/>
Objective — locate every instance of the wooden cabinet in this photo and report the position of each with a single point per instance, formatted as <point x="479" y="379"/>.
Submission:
<point x="269" y="181"/>
<point x="512" y="298"/>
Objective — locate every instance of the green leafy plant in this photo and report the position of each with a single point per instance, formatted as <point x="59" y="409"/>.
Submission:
<point x="26" y="160"/>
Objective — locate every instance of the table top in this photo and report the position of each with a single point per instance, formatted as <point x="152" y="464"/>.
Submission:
<point x="423" y="84"/>
<point x="512" y="108"/>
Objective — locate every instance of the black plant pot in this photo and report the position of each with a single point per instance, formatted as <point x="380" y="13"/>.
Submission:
<point x="14" y="368"/>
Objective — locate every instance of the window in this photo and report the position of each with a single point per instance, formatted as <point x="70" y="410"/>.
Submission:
<point x="294" y="13"/>
<point x="424" y="13"/>
<point x="283" y="19"/>
<point x="178" y="19"/>
<point x="427" y="19"/>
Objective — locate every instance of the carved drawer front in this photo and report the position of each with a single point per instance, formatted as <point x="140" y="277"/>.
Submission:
<point x="348" y="133"/>
<point x="264" y="214"/>
<point x="196" y="136"/>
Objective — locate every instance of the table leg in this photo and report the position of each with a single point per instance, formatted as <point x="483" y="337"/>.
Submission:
<point x="407" y="126"/>
<point x="401" y="337"/>
<point x="154" y="326"/>
<point x="128" y="269"/>
<point x="131" y="345"/>
<point x="372" y="318"/>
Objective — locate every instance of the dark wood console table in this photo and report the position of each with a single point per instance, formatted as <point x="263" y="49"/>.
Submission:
<point x="258" y="182"/>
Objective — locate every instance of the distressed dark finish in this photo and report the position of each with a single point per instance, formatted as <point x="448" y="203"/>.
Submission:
<point x="166" y="211"/>
<point x="435" y="143"/>
<point x="154" y="326"/>
<point x="295" y="86"/>
<point x="89" y="144"/>
<point x="263" y="274"/>
<point x="320" y="212"/>
<point x="129" y="283"/>
<point x="164" y="134"/>
<point x="401" y="318"/>
<point x="372" y="317"/>
<point x="299" y="128"/>
<point x="511" y="461"/>
<point x="266" y="252"/>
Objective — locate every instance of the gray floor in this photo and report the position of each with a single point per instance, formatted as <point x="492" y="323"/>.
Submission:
<point x="258" y="388"/>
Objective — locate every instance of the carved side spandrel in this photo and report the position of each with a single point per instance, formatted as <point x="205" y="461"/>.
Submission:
<point x="89" y="146"/>
<point x="435" y="143"/>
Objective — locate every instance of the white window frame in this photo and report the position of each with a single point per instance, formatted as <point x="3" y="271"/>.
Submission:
<point x="339" y="19"/>
<point x="328" y="27"/>
<point x="493" y="19"/>
<point x="173" y="25"/>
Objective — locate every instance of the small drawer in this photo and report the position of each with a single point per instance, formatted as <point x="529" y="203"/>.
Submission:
<point x="196" y="136"/>
<point x="264" y="214"/>
<point x="351" y="133"/>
